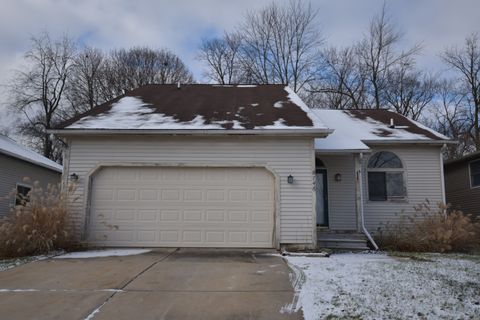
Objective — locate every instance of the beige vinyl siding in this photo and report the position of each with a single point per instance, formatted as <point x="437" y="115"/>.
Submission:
<point x="458" y="190"/>
<point x="13" y="170"/>
<point x="422" y="177"/>
<point x="341" y="194"/>
<point x="284" y="156"/>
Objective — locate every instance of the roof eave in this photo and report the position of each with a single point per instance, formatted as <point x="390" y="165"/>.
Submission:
<point x="197" y="132"/>
<point x="466" y="158"/>
<point x="419" y="141"/>
<point x="43" y="165"/>
<point x="341" y="151"/>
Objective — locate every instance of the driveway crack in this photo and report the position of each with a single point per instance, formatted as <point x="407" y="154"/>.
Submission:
<point x="92" y="314"/>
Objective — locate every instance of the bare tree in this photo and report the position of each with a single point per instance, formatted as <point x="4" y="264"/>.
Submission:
<point x="222" y="57"/>
<point x="128" y="69"/>
<point x="86" y="81"/>
<point x="466" y="62"/>
<point x="172" y="69"/>
<point x="342" y="82"/>
<point x="379" y="55"/>
<point x="452" y="119"/>
<point x="38" y="90"/>
<point x="278" y="44"/>
<point x="281" y="44"/>
<point x="409" y="91"/>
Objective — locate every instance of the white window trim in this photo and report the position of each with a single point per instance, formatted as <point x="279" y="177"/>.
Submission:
<point x="470" y="174"/>
<point x="401" y="170"/>
<point x="25" y="185"/>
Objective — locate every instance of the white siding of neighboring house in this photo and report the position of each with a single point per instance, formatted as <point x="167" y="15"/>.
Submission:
<point x="423" y="181"/>
<point x="284" y="156"/>
<point x="341" y="194"/>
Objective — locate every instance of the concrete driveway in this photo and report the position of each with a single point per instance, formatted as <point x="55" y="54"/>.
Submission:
<point x="162" y="284"/>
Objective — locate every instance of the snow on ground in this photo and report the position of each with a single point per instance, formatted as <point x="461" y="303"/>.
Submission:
<point x="12" y="263"/>
<point x="376" y="286"/>
<point x="102" y="253"/>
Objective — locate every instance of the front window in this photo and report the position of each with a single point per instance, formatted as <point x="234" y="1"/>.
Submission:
<point x="385" y="177"/>
<point x="475" y="174"/>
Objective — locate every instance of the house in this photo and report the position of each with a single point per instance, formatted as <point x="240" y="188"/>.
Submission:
<point x="241" y="166"/>
<point x="462" y="183"/>
<point x="18" y="162"/>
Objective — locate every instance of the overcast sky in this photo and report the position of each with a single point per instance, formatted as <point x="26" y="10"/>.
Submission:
<point x="181" y="24"/>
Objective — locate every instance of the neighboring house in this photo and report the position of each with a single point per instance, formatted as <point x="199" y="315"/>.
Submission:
<point x="241" y="166"/>
<point x="462" y="183"/>
<point x="17" y="163"/>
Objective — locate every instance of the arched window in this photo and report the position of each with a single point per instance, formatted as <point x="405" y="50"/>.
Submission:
<point x="385" y="177"/>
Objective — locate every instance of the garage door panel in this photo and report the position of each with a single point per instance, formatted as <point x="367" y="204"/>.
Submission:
<point x="126" y="194"/>
<point x="238" y="216"/>
<point x="196" y="207"/>
<point x="170" y="215"/>
<point x="147" y="194"/>
<point x="104" y="194"/>
<point x="148" y="174"/>
<point x="170" y="236"/>
<point x="193" y="195"/>
<point x="214" y="216"/>
<point x="126" y="175"/>
<point x="147" y="235"/>
<point x="147" y="215"/>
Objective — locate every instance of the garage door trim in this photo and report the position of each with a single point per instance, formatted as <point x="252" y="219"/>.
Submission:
<point x="102" y="165"/>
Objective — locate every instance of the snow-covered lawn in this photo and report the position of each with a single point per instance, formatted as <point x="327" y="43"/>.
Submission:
<point x="377" y="286"/>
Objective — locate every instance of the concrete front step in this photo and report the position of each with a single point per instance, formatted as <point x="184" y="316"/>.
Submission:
<point x="342" y="240"/>
<point x="343" y="245"/>
<point x="352" y="236"/>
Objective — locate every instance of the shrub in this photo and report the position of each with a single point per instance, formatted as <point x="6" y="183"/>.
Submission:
<point x="38" y="225"/>
<point x="439" y="229"/>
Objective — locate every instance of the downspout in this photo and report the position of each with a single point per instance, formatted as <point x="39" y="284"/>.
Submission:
<point x="442" y="175"/>
<point x="362" y="218"/>
<point x="442" y="182"/>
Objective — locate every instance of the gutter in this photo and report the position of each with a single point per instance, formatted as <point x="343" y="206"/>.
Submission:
<point x="362" y="215"/>
<point x="422" y="142"/>
<point x="341" y="151"/>
<point x="198" y="132"/>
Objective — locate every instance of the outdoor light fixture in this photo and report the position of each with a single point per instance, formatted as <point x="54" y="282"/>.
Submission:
<point x="74" y="177"/>
<point x="290" y="179"/>
<point x="338" y="177"/>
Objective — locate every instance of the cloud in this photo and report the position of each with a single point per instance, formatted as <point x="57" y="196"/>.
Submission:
<point x="181" y="24"/>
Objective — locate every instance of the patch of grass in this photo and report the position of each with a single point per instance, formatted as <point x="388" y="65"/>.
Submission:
<point x="416" y="256"/>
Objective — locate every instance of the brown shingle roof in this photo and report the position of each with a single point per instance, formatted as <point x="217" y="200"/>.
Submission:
<point x="400" y="122"/>
<point x="199" y="105"/>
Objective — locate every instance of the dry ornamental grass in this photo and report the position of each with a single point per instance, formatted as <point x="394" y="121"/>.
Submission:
<point x="438" y="229"/>
<point x="38" y="224"/>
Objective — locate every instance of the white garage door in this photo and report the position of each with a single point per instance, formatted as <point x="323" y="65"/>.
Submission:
<point x="182" y="207"/>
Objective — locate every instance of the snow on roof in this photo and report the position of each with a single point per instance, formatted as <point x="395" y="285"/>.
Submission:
<point x="204" y="107"/>
<point x="355" y="128"/>
<point x="13" y="149"/>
